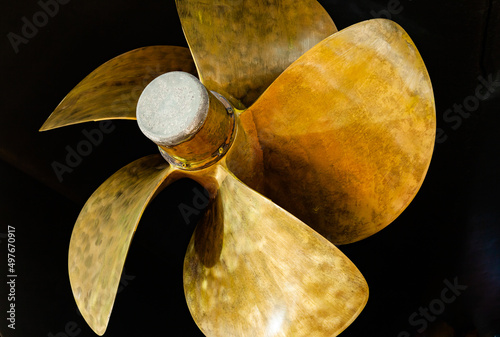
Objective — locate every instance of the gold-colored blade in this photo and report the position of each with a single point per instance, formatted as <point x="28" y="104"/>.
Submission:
<point x="253" y="269"/>
<point x="103" y="232"/>
<point x="112" y="90"/>
<point x="347" y="131"/>
<point x="240" y="47"/>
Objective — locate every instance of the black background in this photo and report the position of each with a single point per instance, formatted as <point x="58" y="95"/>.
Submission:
<point x="451" y="229"/>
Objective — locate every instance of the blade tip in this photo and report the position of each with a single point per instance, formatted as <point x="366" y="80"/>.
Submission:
<point x="100" y="330"/>
<point x="99" y="325"/>
<point x="49" y="124"/>
<point x="44" y="128"/>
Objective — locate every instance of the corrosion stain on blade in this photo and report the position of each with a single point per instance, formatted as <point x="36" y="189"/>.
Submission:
<point x="267" y="274"/>
<point x="112" y="90"/>
<point x="103" y="232"/>
<point x="347" y="131"/>
<point x="240" y="47"/>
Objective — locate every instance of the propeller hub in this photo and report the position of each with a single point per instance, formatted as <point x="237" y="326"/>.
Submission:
<point x="192" y="126"/>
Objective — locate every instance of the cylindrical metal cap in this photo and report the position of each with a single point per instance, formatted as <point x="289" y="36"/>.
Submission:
<point x="192" y="127"/>
<point x="172" y="108"/>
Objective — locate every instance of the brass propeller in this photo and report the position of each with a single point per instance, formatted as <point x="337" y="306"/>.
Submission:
<point x="342" y="139"/>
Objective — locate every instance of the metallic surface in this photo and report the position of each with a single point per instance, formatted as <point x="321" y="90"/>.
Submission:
<point x="342" y="139"/>
<point x="112" y="90"/>
<point x="209" y="143"/>
<point x="103" y="232"/>
<point x="240" y="47"/>
<point x="253" y="269"/>
<point x="346" y="132"/>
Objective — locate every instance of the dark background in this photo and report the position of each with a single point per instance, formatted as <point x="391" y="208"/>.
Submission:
<point x="449" y="232"/>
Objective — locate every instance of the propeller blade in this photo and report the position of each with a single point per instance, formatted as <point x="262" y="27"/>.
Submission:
<point x="113" y="89"/>
<point x="103" y="232"/>
<point x="253" y="269"/>
<point x="347" y="131"/>
<point x="240" y="47"/>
